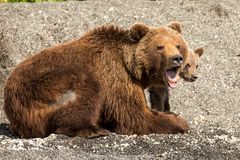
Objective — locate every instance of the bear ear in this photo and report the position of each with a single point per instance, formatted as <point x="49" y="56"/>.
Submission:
<point x="138" y="31"/>
<point x="175" y="25"/>
<point x="199" y="51"/>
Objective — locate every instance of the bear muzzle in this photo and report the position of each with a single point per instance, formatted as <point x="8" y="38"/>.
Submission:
<point x="177" y="60"/>
<point x="173" y="71"/>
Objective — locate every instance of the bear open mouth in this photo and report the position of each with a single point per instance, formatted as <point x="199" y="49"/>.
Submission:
<point x="172" y="77"/>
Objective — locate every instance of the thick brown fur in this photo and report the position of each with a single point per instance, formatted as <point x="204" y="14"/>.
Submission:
<point x="93" y="85"/>
<point x="189" y="71"/>
<point x="159" y="95"/>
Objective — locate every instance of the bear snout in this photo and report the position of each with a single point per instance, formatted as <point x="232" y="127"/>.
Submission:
<point x="188" y="77"/>
<point x="177" y="60"/>
<point x="194" y="77"/>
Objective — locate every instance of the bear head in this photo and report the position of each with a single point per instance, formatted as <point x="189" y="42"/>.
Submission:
<point x="159" y="53"/>
<point x="189" y="71"/>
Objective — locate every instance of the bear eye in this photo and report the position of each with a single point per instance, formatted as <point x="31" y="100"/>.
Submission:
<point x="160" y="47"/>
<point x="197" y="66"/>
<point x="178" y="46"/>
<point x="187" y="65"/>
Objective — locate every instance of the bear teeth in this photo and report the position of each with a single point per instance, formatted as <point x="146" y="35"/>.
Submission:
<point x="171" y="75"/>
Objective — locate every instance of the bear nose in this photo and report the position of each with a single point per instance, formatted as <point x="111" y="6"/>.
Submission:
<point x="194" y="77"/>
<point x="177" y="59"/>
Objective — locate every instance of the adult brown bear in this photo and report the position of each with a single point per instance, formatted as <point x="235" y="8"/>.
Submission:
<point x="93" y="85"/>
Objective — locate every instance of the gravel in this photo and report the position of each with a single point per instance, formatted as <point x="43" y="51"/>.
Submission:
<point x="211" y="105"/>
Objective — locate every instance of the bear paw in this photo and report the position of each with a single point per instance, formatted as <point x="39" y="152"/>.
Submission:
<point x="171" y="123"/>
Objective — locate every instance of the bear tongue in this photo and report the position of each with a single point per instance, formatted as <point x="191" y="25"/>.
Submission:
<point x="172" y="78"/>
<point x="171" y="74"/>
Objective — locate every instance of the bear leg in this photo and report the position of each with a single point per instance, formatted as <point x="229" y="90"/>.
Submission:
<point x="168" y="123"/>
<point x="159" y="97"/>
<point x="80" y="117"/>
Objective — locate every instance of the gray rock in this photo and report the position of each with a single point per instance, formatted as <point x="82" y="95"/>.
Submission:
<point x="211" y="105"/>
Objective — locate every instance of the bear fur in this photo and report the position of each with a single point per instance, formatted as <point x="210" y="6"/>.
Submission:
<point x="159" y="96"/>
<point x="189" y="72"/>
<point x="95" y="85"/>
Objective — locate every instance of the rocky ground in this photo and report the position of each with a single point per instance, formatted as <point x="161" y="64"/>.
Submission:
<point x="211" y="105"/>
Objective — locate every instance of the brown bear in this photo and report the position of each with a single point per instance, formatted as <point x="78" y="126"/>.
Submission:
<point x="159" y="96"/>
<point x="189" y="72"/>
<point x="95" y="85"/>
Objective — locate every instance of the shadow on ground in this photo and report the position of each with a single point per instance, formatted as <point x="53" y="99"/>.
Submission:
<point x="5" y="130"/>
